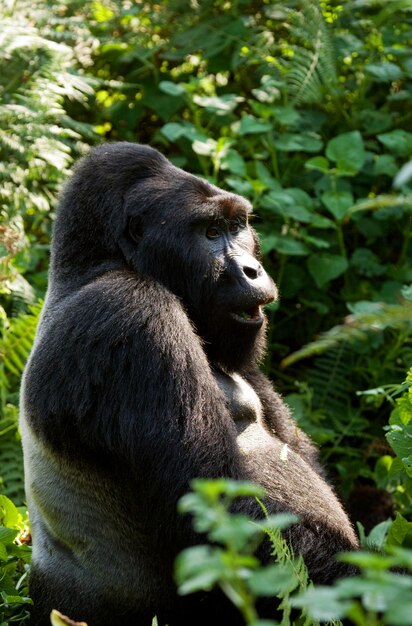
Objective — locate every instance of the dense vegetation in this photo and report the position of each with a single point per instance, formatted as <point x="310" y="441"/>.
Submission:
<point x="303" y="106"/>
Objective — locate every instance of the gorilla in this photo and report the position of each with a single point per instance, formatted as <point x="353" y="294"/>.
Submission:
<point x="143" y="376"/>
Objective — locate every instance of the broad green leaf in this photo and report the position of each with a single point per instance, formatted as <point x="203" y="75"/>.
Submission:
<point x="273" y="580"/>
<point x="286" y="203"/>
<point x="242" y="187"/>
<point x="286" y="115"/>
<point x="385" y="164"/>
<point x="13" y="599"/>
<point x="317" y="242"/>
<point x="384" y="72"/>
<point x="298" y="142"/>
<point x="283" y="245"/>
<point x="375" y="121"/>
<point x="221" y="105"/>
<point x="7" y="535"/>
<point x="400" y="611"/>
<point x="278" y="521"/>
<point x="9" y="515"/>
<point x="265" y="176"/>
<point x="400" y="439"/>
<point x="204" y="147"/>
<point x="173" y="131"/>
<point x="317" y="163"/>
<point x="198" y="568"/>
<point x="298" y="213"/>
<point x="287" y="198"/>
<point x="403" y="410"/>
<point x="348" y="151"/>
<point x="320" y="221"/>
<point x="377" y="594"/>
<point x="234" y="162"/>
<point x="236" y="530"/>
<point x="172" y="89"/>
<point x="377" y="537"/>
<point x="264" y="111"/>
<point x="338" y="202"/>
<point x="234" y="488"/>
<point x="400" y="532"/>
<point x="368" y="560"/>
<point x="398" y="141"/>
<point x="249" y="125"/>
<point x="158" y="101"/>
<point x="322" y="603"/>
<point x="325" y="267"/>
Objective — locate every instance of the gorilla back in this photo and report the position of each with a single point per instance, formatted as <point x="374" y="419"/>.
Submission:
<point x="143" y="376"/>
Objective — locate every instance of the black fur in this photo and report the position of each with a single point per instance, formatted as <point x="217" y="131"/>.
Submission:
<point x="143" y="376"/>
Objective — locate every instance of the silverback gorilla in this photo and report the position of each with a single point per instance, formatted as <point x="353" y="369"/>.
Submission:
<point x="143" y="376"/>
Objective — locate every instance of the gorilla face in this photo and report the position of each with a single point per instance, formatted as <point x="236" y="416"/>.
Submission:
<point x="195" y="239"/>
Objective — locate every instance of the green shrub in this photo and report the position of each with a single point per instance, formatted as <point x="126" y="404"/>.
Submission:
<point x="303" y="106"/>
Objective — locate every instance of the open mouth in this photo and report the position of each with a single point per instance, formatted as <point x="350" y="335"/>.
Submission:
<point x="251" y="315"/>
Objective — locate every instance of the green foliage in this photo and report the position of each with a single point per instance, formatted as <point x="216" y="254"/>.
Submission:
<point x="38" y="144"/>
<point x="16" y="342"/>
<point x="14" y="564"/>
<point x="16" y="339"/>
<point x="377" y="597"/>
<point x="395" y="472"/>
<point x="230" y="561"/>
<point x="311" y="71"/>
<point x="11" y="458"/>
<point x="303" y="106"/>
<point x="367" y="319"/>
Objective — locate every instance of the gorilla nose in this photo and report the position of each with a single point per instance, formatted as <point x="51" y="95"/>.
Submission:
<point x="252" y="269"/>
<point x="257" y="280"/>
<point x="246" y="270"/>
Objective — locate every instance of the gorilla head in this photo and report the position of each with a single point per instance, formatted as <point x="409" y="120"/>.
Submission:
<point x="180" y="231"/>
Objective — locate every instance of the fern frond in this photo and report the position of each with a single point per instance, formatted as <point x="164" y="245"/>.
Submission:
<point x="329" y="379"/>
<point x="311" y="72"/>
<point x="11" y="466"/>
<point x="33" y="110"/>
<point x="357" y="327"/>
<point x="17" y="340"/>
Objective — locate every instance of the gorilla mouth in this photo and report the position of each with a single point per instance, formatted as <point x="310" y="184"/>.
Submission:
<point x="252" y="315"/>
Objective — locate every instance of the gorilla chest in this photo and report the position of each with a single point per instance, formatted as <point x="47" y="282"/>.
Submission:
<point x="242" y="400"/>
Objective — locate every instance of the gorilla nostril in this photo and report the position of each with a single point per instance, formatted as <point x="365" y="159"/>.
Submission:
<point x="252" y="272"/>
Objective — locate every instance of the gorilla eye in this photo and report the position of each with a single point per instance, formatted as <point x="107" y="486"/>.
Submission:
<point x="236" y="225"/>
<point x="213" y="232"/>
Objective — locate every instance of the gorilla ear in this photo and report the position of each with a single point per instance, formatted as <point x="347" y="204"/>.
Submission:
<point x="135" y="228"/>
